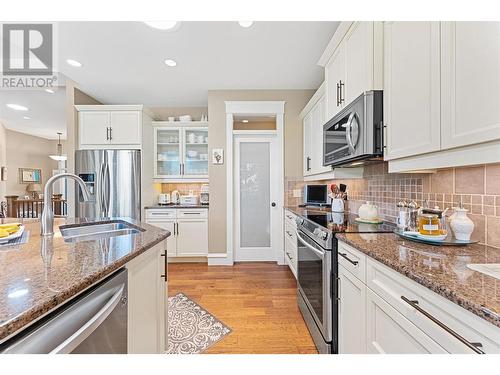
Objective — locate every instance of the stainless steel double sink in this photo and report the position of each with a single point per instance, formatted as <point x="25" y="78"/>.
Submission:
<point x="97" y="231"/>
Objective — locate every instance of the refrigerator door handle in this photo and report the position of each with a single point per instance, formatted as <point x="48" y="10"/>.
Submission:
<point x="107" y="191"/>
<point x="101" y="191"/>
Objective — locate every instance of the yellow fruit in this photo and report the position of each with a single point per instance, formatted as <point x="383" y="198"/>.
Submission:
<point x="3" y="233"/>
<point x="12" y="230"/>
<point x="10" y="226"/>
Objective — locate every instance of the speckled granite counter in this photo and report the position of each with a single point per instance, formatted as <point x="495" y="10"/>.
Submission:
<point x="43" y="273"/>
<point x="443" y="269"/>
<point x="301" y="211"/>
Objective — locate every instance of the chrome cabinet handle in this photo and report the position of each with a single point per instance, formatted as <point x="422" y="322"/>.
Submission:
<point x="191" y="213"/>
<point x="110" y="133"/>
<point x="340" y="91"/>
<point x="289" y="234"/>
<point x="338" y="88"/>
<point x="289" y="257"/>
<point x="474" y="346"/>
<point x="344" y="255"/>
<point x="165" y="266"/>
<point x="308" y="168"/>
<point x="107" y="133"/>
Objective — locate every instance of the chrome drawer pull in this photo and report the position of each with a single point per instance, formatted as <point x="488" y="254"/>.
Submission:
<point x="474" y="346"/>
<point x="344" y="255"/>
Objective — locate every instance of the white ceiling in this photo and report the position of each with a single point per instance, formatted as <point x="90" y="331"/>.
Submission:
<point x="47" y="112"/>
<point x="123" y="61"/>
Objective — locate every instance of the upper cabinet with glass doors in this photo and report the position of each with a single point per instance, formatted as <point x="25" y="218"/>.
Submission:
<point x="181" y="151"/>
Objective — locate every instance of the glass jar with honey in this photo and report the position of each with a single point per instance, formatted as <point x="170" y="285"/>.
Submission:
<point x="429" y="225"/>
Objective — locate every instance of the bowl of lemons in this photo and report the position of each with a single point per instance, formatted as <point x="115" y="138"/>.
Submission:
<point x="10" y="231"/>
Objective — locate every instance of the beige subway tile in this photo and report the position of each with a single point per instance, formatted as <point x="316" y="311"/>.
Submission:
<point x="442" y="181"/>
<point x="493" y="230"/>
<point x="477" y="199"/>
<point x="469" y="180"/>
<point x="493" y="179"/>
<point x="477" y="209"/>
<point x="489" y="200"/>
<point x="489" y="210"/>
<point x="479" y="228"/>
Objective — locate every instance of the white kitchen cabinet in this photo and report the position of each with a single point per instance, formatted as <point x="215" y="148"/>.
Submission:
<point x="335" y="82"/>
<point x="192" y="237"/>
<point x="290" y="241"/>
<point x="181" y="151"/>
<point x="411" y="88"/>
<point x="355" y="65"/>
<point x="470" y="73"/>
<point x="308" y="131"/>
<point x="109" y="127"/>
<point x="188" y="228"/>
<point x="352" y="313"/>
<point x="147" y="302"/>
<point x="389" y="332"/>
<point x="319" y="119"/>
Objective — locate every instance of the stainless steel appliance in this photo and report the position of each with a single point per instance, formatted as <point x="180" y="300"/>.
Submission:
<point x="355" y="134"/>
<point x="96" y="322"/>
<point x="316" y="195"/>
<point x="114" y="180"/>
<point x="317" y="271"/>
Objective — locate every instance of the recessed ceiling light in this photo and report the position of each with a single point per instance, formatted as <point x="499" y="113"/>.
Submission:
<point x="170" y="62"/>
<point x="245" y="24"/>
<point x="26" y="117"/>
<point x="74" y="63"/>
<point x="17" y="107"/>
<point x="50" y="91"/>
<point x="245" y="121"/>
<point x="163" y="25"/>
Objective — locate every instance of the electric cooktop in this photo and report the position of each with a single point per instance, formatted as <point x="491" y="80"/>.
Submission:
<point x="344" y="222"/>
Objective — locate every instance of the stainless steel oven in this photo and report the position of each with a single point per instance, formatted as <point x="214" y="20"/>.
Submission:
<point x="315" y="290"/>
<point x="354" y="135"/>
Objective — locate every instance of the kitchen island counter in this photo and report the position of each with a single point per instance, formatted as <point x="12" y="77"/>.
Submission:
<point x="43" y="273"/>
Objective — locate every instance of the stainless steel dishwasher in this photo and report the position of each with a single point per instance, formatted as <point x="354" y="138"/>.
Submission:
<point x="95" y="322"/>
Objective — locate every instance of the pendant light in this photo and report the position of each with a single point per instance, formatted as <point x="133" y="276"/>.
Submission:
<point x="59" y="156"/>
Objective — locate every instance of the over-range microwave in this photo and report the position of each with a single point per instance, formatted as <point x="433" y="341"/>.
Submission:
<point x="355" y="134"/>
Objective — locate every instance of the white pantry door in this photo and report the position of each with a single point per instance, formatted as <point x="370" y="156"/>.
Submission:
<point x="257" y="199"/>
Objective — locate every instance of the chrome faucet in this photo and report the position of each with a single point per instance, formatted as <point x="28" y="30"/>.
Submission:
<point x="47" y="220"/>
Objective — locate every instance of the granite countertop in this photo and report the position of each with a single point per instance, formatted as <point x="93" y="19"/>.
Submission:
<point x="442" y="269"/>
<point x="301" y="211"/>
<point x="173" y="206"/>
<point x="41" y="274"/>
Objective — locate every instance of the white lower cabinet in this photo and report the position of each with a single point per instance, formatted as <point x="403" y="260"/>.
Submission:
<point x="382" y="311"/>
<point x="389" y="332"/>
<point x="147" y="302"/>
<point x="188" y="228"/>
<point x="290" y="242"/>
<point x="352" y="313"/>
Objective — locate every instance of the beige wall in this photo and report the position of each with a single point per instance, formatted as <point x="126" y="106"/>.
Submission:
<point x="295" y="102"/>
<point x="3" y="159"/>
<point x="27" y="151"/>
<point x="254" y="125"/>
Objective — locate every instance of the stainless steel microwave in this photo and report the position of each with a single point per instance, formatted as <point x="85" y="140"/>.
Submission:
<point x="355" y="134"/>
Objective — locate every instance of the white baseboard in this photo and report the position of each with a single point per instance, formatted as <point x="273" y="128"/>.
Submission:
<point x="187" y="260"/>
<point x="219" y="259"/>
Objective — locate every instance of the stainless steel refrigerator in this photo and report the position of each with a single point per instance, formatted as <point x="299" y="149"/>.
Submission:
<point x="114" y="180"/>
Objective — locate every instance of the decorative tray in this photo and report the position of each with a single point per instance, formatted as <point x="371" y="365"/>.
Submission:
<point x="13" y="236"/>
<point x="448" y="241"/>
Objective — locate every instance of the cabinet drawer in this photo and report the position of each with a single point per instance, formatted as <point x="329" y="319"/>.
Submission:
<point x="160" y="214"/>
<point x="291" y="255"/>
<point x="290" y="233"/>
<point x="192" y="213"/>
<point x="433" y="314"/>
<point x="290" y="219"/>
<point x="353" y="260"/>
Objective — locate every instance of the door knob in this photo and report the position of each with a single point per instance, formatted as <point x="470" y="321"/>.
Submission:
<point x="273" y="204"/>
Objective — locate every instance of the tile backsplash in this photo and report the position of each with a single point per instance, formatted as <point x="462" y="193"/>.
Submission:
<point x="182" y="188"/>
<point x="477" y="187"/>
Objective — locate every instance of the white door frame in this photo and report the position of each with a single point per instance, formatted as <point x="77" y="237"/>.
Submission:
<point x="271" y="108"/>
<point x="274" y="251"/>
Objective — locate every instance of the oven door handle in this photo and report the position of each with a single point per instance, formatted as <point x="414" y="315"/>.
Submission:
<point x="352" y="121"/>
<point x="319" y="253"/>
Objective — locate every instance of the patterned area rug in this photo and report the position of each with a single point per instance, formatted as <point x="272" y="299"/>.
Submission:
<point x="191" y="329"/>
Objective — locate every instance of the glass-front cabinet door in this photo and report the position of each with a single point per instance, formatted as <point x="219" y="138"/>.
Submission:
<point x="168" y="152"/>
<point x="195" y="153"/>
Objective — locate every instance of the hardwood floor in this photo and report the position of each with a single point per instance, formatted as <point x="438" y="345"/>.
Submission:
<point x="256" y="300"/>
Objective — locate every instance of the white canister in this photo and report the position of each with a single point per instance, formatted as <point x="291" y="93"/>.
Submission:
<point x="337" y="205"/>
<point x="368" y="211"/>
<point x="461" y="225"/>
